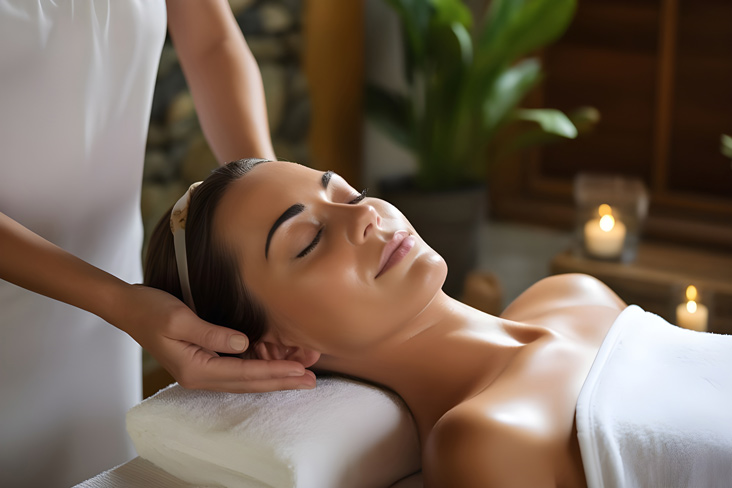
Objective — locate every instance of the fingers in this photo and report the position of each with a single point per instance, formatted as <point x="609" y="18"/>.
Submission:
<point x="236" y="369"/>
<point x="245" y="375"/>
<point x="197" y="367"/>
<point x="213" y="337"/>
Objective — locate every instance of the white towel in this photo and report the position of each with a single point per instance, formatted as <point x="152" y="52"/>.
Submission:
<point x="656" y="408"/>
<point x="341" y="434"/>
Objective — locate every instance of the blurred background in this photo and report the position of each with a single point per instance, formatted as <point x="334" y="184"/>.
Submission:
<point x="512" y="104"/>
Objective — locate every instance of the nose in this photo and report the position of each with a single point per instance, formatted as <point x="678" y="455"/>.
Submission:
<point x="370" y="220"/>
<point x="360" y="221"/>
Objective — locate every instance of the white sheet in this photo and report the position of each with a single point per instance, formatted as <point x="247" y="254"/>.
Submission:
<point x="656" y="408"/>
<point x="136" y="473"/>
<point x="142" y="473"/>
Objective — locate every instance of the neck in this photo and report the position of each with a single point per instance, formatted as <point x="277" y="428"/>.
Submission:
<point x="446" y="355"/>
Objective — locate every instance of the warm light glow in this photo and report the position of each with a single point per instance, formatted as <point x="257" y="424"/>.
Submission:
<point x="607" y="222"/>
<point x="691" y="293"/>
<point x="691" y="306"/>
<point x="605" y="209"/>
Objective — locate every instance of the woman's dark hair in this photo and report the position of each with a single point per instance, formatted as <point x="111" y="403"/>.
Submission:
<point x="216" y="286"/>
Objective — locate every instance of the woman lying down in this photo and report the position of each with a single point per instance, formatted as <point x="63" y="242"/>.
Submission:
<point x="568" y="387"/>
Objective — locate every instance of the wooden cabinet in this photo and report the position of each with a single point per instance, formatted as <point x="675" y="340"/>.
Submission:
<point x="660" y="73"/>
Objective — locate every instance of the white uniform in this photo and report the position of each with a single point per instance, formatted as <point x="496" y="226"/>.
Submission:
<point x="76" y="85"/>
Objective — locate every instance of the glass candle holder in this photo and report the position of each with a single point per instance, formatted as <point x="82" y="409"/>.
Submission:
<point x="610" y="211"/>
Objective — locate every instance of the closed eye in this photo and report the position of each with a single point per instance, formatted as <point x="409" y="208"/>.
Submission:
<point x="316" y="240"/>
<point x="359" y="197"/>
<point x="312" y="245"/>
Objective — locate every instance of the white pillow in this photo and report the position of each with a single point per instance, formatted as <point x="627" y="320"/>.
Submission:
<point x="342" y="434"/>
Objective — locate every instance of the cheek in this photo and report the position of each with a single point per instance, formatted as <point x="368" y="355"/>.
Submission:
<point x="337" y="312"/>
<point x="334" y="311"/>
<point x="391" y="216"/>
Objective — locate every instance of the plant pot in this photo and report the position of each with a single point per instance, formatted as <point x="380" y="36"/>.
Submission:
<point x="449" y="222"/>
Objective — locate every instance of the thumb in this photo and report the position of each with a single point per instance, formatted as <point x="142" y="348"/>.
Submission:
<point x="217" y="338"/>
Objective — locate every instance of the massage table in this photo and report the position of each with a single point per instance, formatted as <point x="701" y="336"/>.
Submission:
<point x="654" y="410"/>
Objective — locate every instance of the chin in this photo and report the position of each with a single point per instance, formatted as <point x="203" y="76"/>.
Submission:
<point x="431" y="271"/>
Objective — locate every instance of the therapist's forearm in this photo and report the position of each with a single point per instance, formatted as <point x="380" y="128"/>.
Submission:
<point x="224" y="79"/>
<point x="32" y="262"/>
<point x="230" y="104"/>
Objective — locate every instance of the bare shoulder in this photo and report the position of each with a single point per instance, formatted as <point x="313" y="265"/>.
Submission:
<point x="473" y="447"/>
<point x="561" y="291"/>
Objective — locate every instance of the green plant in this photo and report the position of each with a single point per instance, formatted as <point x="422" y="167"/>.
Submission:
<point x="466" y="83"/>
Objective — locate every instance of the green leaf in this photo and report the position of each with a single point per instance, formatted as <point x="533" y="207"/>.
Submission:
<point x="450" y="48"/>
<point x="499" y="15"/>
<point x="415" y="17"/>
<point x="451" y="52"/>
<point x="727" y="145"/>
<point x="464" y="41"/>
<point x="529" y="134"/>
<point x="391" y="113"/>
<point x="550" y="120"/>
<point x="513" y="29"/>
<point x="452" y="11"/>
<point x="508" y="91"/>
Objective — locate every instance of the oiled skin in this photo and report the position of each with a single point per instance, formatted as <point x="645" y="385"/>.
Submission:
<point x="510" y="421"/>
<point x="520" y="430"/>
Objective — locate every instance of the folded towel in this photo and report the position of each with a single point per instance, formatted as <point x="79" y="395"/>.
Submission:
<point x="341" y="434"/>
<point x="655" y="408"/>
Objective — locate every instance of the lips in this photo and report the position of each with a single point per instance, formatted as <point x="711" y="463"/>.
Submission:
<point x="395" y="250"/>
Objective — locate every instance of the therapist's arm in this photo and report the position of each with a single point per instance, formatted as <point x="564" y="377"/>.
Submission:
<point x="159" y="322"/>
<point x="223" y="77"/>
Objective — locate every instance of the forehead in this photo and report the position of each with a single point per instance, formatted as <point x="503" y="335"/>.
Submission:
<point x="253" y="202"/>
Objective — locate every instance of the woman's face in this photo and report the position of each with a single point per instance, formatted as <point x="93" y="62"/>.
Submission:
<point x="336" y="272"/>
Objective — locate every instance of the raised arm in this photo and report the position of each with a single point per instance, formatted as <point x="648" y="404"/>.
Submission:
<point x="223" y="77"/>
<point x="159" y="322"/>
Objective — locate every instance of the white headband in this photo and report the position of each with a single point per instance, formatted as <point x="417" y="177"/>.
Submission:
<point x="178" y="218"/>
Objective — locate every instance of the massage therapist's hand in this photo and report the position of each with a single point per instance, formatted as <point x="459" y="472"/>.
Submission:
<point x="183" y="344"/>
<point x="180" y="341"/>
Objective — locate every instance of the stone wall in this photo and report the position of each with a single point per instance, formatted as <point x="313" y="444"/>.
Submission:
<point x="177" y="153"/>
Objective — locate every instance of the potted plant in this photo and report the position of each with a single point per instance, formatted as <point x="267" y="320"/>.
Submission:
<point x="460" y="115"/>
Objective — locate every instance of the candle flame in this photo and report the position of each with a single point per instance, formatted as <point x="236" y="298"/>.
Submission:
<point x="691" y="293"/>
<point x="605" y="209"/>
<point x="691" y="306"/>
<point x="607" y="222"/>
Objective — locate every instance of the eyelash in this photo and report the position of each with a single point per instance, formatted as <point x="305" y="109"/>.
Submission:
<point x="312" y="245"/>
<point x="360" y="197"/>
<point x="316" y="240"/>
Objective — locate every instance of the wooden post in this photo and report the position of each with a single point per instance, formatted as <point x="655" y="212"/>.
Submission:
<point x="664" y="112"/>
<point x="334" y="67"/>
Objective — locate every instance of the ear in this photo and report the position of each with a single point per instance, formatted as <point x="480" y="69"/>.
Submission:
<point x="271" y="349"/>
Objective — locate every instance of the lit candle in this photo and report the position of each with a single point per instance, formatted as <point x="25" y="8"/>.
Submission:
<point x="604" y="237"/>
<point x="692" y="315"/>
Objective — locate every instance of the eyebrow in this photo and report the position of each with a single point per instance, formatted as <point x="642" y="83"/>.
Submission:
<point x="287" y="214"/>
<point x="326" y="179"/>
<point x="291" y="212"/>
